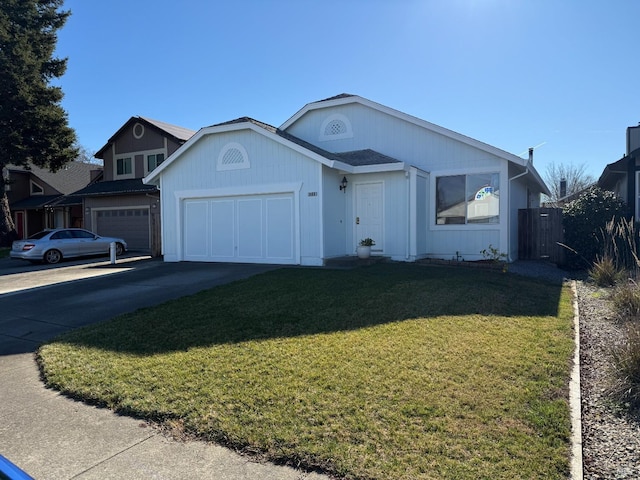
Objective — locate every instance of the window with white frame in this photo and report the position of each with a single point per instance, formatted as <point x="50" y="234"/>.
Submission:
<point x="124" y="166"/>
<point x="154" y="160"/>
<point x="468" y="199"/>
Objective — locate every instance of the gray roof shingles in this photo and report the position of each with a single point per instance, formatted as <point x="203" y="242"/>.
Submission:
<point x="354" y="158"/>
<point x="71" y="177"/>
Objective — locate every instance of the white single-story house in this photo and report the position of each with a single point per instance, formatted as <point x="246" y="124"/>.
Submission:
<point x="340" y="170"/>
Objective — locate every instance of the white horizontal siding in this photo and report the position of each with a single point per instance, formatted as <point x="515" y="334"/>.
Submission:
<point x="394" y="137"/>
<point x="335" y="213"/>
<point x="463" y="244"/>
<point x="270" y="164"/>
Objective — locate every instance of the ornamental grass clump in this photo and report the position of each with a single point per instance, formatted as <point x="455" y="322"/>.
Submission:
<point x="605" y="273"/>
<point x="626" y="360"/>
<point x="619" y="239"/>
<point x="626" y="300"/>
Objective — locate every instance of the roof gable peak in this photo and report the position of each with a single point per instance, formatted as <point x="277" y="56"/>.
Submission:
<point x="179" y="134"/>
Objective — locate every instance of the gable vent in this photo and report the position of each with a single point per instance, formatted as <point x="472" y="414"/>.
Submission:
<point x="335" y="127"/>
<point x="232" y="157"/>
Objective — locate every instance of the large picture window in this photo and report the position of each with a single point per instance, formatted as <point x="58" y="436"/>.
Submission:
<point x="468" y="199"/>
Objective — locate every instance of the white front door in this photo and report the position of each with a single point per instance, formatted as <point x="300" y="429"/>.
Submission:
<point x="369" y="213"/>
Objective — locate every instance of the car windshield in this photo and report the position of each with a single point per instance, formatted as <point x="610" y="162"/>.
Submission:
<point x="39" y="235"/>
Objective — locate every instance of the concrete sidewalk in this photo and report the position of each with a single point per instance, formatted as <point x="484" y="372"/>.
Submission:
<point x="53" y="437"/>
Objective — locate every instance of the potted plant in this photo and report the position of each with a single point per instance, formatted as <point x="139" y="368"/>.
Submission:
<point x="364" y="248"/>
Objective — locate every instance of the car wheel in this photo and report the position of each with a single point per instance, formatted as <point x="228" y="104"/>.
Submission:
<point x="119" y="249"/>
<point x="52" y="256"/>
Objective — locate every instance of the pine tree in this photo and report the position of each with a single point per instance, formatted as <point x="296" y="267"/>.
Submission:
<point x="33" y="125"/>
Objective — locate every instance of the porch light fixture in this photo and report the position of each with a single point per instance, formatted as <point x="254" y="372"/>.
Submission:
<point x="343" y="184"/>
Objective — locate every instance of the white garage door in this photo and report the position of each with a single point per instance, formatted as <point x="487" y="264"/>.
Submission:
<point x="246" y="229"/>
<point x="132" y="224"/>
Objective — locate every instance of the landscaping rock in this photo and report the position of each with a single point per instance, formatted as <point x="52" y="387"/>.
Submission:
<point x="610" y="436"/>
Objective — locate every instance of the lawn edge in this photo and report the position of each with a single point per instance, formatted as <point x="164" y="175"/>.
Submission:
<point x="575" y="401"/>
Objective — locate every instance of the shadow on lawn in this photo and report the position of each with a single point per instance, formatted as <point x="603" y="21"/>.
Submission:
<point x="301" y="301"/>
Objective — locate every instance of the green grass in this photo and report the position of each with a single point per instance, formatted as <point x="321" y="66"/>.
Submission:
<point x="386" y="372"/>
<point x="4" y="252"/>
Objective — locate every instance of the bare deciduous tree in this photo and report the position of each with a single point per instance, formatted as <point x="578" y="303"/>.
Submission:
<point x="564" y="180"/>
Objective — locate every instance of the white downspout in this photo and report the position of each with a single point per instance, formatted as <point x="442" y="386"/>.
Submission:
<point x="408" y="242"/>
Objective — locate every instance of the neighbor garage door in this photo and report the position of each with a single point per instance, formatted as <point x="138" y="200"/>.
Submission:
<point x="132" y="224"/>
<point x="247" y="229"/>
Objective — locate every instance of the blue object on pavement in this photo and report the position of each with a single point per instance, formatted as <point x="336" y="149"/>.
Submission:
<point x="8" y="471"/>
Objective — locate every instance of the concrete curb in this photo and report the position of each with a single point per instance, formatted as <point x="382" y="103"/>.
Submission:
<point x="575" y="400"/>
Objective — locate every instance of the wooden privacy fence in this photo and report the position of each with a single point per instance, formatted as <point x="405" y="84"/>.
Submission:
<point x="539" y="232"/>
<point x="156" y="235"/>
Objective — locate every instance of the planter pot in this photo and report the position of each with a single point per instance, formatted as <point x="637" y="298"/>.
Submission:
<point x="363" y="252"/>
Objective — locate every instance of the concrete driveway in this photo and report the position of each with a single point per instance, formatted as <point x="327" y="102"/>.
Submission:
<point x="52" y="437"/>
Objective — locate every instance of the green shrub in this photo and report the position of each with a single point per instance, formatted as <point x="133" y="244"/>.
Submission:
<point x="605" y="273"/>
<point x="626" y="360"/>
<point x="626" y="300"/>
<point x="584" y="219"/>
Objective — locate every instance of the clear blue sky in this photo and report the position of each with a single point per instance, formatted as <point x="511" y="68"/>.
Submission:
<point x="512" y="73"/>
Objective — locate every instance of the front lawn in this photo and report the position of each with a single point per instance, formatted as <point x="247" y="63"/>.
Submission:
<point x="387" y="372"/>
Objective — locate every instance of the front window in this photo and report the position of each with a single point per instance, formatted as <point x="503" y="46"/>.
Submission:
<point x="154" y="160"/>
<point x="123" y="166"/>
<point x="468" y="199"/>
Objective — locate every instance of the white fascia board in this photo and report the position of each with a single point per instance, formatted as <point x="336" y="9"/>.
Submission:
<point x="387" y="167"/>
<point x="342" y="167"/>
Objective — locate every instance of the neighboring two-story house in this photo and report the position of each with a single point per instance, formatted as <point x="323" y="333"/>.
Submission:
<point x="120" y="204"/>
<point x="623" y="176"/>
<point x="37" y="196"/>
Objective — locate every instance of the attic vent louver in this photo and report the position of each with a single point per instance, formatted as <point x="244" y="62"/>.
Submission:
<point x="233" y="156"/>
<point x="335" y="127"/>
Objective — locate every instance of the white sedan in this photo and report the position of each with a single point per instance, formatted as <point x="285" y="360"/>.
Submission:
<point x="51" y="246"/>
